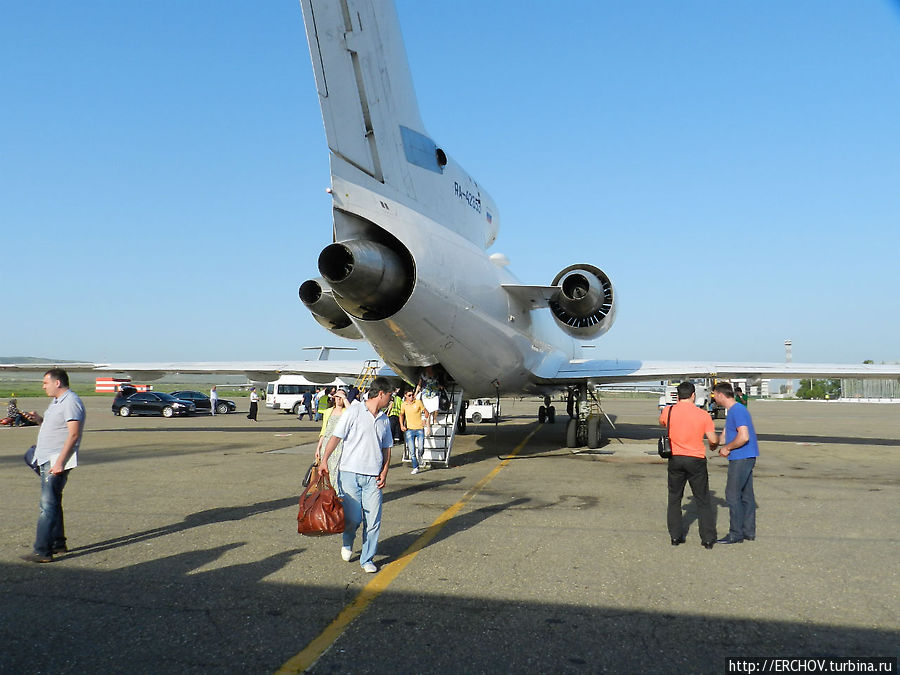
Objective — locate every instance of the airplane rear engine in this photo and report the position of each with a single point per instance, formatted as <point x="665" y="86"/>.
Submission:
<point x="584" y="306"/>
<point x="319" y="300"/>
<point x="369" y="280"/>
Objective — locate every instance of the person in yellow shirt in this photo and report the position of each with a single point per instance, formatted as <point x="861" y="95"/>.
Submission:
<point x="411" y="423"/>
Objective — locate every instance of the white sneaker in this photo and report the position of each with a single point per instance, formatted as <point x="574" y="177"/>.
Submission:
<point x="346" y="553"/>
<point x="369" y="568"/>
<point x="415" y="471"/>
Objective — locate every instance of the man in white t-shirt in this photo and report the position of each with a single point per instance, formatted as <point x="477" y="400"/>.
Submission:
<point x="365" y="458"/>
<point x="56" y="453"/>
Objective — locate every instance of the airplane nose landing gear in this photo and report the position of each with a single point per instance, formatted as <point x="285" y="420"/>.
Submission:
<point x="547" y="412"/>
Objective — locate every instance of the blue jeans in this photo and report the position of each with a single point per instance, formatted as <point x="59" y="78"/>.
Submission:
<point x="415" y="449"/>
<point x="362" y="504"/>
<point x="740" y="498"/>
<point x="51" y="531"/>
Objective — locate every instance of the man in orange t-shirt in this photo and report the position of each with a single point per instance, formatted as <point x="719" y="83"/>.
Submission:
<point x="687" y="426"/>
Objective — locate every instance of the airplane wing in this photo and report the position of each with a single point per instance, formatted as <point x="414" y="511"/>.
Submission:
<point x="323" y="371"/>
<point x="598" y="371"/>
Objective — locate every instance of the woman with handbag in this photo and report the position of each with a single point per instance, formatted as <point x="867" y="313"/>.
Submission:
<point x="428" y="390"/>
<point x="330" y="420"/>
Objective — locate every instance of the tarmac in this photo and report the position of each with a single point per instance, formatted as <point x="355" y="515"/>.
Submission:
<point x="184" y="555"/>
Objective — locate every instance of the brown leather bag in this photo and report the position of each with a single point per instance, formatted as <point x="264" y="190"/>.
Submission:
<point x="321" y="510"/>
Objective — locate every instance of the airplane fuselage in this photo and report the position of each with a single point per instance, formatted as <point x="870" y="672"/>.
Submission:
<point x="457" y="314"/>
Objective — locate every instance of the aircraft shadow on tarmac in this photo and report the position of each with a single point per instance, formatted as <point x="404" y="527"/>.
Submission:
<point x="232" y="513"/>
<point x="250" y="428"/>
<point x="171" y="615"/>
<point x="393" y="547"/>
<point x="827" y="440"/>
<point x="420" y="488"/>
<point x="199" y="519"/>
<point x="147" y="451"/>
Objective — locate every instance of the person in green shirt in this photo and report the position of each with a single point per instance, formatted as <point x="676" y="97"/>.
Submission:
<point x="394" y="416"/>
<point x="323" y="403"/>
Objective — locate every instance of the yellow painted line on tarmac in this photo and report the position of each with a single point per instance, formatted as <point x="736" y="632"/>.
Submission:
<point x="314" y="650"/>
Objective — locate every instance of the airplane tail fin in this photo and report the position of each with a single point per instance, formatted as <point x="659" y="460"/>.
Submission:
<point x="363" y="79"/>
<point x="325" y="351"/>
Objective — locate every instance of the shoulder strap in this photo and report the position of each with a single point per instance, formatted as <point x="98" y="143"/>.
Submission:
<point x="669" y="420"/>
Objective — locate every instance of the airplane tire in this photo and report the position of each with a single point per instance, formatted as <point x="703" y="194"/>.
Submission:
<point x="124" y="411"/>
<point x="572" y="433"/>
<point x="542" y="414"/>
<point x="551" y="414"/>
<point x="594" y="432"/>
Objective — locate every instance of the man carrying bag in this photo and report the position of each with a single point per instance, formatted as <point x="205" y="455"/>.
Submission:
<point x="687" y="425"/>
<point x="365" y="459"/>
<point x="321" y="510"/>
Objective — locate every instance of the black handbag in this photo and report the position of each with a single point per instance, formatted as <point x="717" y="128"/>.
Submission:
<point x="309" y="473"/>
<point x="443" y="401"/>
<point x="664" y="445"/>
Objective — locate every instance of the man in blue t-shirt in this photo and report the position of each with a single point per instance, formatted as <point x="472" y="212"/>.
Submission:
<point x="741" y="449"/>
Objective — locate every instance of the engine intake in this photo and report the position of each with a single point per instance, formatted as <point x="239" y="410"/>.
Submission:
<point x="584" y="306"/>
<point x="319" y="299"/>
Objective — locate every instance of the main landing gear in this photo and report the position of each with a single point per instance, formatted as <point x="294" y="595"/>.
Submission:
<point x="583" y="427"/>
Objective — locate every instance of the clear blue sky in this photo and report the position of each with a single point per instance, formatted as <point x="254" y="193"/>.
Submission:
<point x="733" y="166"/>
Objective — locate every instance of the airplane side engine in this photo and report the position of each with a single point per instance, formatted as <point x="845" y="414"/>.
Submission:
<point x="584" y="306"/>
<point x="319" y="300"/>
<point x="370" y="279"/>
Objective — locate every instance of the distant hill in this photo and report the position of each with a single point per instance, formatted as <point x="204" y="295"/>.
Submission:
<point x="34" y="359"/>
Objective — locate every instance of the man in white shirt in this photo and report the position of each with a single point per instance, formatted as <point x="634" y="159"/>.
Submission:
<point x="213" y="400"/>
<point x="56" y="453"/>
<point x="366" y="456"/>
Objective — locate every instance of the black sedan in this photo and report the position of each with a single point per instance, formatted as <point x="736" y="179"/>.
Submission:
<point x="201" y="400"/>
<point x="151" y="403"/>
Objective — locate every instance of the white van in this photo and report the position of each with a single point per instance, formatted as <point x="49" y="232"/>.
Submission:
<point x="286" y="393"/>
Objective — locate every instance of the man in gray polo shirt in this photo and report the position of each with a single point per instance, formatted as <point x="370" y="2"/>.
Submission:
<point x="365" y="459"/>
<point x="56" y="453"/>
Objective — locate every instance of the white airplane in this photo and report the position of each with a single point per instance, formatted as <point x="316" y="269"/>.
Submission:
<point x="409" y="269"/>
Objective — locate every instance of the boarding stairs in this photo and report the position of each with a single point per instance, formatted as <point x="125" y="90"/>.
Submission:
<point x="366" y="375"/>
<point x="439" y="444"/>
